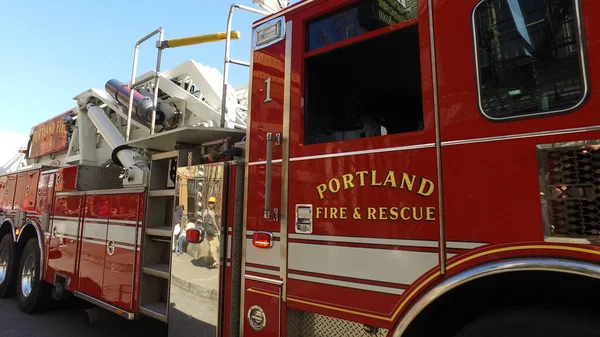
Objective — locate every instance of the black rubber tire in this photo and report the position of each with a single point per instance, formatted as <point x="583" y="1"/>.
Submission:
<point x="40" y="296"/>
<point x="8" y="286"/>
<point x="531" y="322"/>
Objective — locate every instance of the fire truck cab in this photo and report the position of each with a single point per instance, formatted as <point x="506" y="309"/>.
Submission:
<point x="393" y="168"/>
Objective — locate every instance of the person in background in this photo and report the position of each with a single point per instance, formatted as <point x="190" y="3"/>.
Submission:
<point x="212" y="231"/>
<point x="177" y="216"/>
<point x="181" y="238"/>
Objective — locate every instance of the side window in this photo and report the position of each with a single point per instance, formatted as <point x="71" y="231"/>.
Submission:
<point x="359" y="85"/>
<point x="529" y="57"/>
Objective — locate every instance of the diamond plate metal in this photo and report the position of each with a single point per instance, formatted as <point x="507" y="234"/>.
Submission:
<point x="98" y="178"/>
<point x="306" y="324"/>
<point x="570" y="181"/>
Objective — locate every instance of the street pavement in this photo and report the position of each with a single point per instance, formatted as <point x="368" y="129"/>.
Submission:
<point x="68" y="322"/>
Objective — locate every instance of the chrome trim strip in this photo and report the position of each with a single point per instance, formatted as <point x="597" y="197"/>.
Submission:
<point x="285" y="159"/>
<point x="263" y="271"/>
<point x="553" y="265"/>
<point x="245" y="210"/>
<point x="282" y="12"/>
<point x="263" y="279"/>
<point x="130" y="316"/>
<point x="347" y="284"/>
<point x="387" y="242"/>
<point x="585" y="73"/>
<point x="445" y="143"/>
<point x="438" y="140"/>
<point x="522" y="135"/>
<point x="103" y="192"/>
<point x="353" y="153"/>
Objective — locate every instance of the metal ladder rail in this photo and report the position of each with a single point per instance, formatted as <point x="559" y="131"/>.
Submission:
<point x="162" y="44"/>
<point x="133" y="85"/>
<point x="228" y="59"/>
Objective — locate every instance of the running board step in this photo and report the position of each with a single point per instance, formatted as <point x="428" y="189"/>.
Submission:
<point x="158" y="270"/>
<point x="104" y="305"/>
<point x="164" y="231"/>
<point x="157" y="310"/>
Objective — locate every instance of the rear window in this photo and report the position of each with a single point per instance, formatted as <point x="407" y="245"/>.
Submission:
<point x="529" y="57"/>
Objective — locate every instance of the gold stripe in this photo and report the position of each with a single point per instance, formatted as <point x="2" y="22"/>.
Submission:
<point x="262" y="292"/>
<point x="430" y="278"/>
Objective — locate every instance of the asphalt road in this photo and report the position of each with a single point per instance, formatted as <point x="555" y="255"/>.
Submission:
<point x="68" y="322"/>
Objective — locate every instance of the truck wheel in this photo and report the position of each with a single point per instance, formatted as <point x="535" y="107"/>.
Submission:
<point x="32" y="292"/>
<point x="7" y="266"/>
<point x="532" y="322"/>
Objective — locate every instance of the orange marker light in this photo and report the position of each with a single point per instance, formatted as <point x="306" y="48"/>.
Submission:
<point x="262" y="239"/>
<point x="17" y="231"/>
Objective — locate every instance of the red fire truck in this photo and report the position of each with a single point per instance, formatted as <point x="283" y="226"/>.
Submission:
<point x="393" y="168"/>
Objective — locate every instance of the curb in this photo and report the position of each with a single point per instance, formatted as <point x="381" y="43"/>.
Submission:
<point x="200" y="291"/>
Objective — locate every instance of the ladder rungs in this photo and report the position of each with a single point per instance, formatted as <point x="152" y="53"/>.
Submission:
<point x="156" y="310"/>
<point x="162" y="193"/>
<point x="158" y="270"/>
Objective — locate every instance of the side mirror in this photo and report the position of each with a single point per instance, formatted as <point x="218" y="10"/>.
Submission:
<point x="194" y="235"/>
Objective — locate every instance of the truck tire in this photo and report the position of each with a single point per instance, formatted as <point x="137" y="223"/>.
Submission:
<point x="33" y="295"/>
<point x="8" y="261"/>
<point x="534" y="322"/>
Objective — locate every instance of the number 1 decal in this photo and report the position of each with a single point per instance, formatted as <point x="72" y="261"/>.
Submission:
<point x="267" y="90"/>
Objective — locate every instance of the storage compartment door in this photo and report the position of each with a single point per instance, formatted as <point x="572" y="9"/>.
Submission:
<point x="93" y="245"/>
<point x="121" y="250"/>
<point x="62" y="253"/>
<point x="196" y="272"/>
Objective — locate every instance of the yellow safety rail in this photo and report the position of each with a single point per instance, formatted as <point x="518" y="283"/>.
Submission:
<point x="198" y="39"/>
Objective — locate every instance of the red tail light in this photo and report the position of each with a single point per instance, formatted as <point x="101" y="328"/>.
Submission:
<point x="193" y="235"/>
<point x="262" y="239"/>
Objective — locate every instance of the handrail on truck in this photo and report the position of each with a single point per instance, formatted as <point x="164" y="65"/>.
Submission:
<point x="161" y="45"/>
<point x="229" y="60"/>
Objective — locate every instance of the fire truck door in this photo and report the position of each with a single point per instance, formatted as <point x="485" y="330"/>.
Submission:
<point x="197" y="273"/>
<point x="62" y="251"/>
<point x="120" y="252"/>
<point x="360" y="175"/>
<point x="93" y="244"/>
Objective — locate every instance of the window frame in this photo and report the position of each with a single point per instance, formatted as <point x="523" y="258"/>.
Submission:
<point x="306" y="54"/>
<point x="583" y="61"/>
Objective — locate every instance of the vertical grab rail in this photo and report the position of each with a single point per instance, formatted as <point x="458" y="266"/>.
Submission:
<point x="136" y="50"/>
<point x="229" y="60"/>
<point x="268" y="175"/>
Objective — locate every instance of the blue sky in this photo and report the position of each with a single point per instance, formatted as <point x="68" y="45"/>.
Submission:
<point x="54" y="50"/>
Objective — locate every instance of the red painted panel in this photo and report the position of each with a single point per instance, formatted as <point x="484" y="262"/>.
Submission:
<point x="9" y="192"/>
<point x="62" y="252"/>
<point x="119" y="268"/>
<point x="138" y="258"/>
<point x="93" y="245"/>
<point x="256" y="197"/>
<point x="26" y="190"/>
<point x="3" y="189"/>
<point x="266" y="297"/>
<point x="266" y="116"/>
<point x="66" y="178"/>
<point x="45" y="193"/>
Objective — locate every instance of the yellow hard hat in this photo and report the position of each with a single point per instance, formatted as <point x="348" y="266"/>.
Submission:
<point x="212" y="199"/>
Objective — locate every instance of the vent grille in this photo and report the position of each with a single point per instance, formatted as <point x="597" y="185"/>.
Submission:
<point x="570" y="189"/>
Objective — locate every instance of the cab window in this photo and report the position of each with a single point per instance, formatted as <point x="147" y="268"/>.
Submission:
<point x="529" y="57"/>
<point x="363" y="79"/>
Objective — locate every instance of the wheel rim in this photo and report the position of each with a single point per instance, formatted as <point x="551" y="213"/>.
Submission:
<point x="27" y="275"/>
<point x="3" y="264"/>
